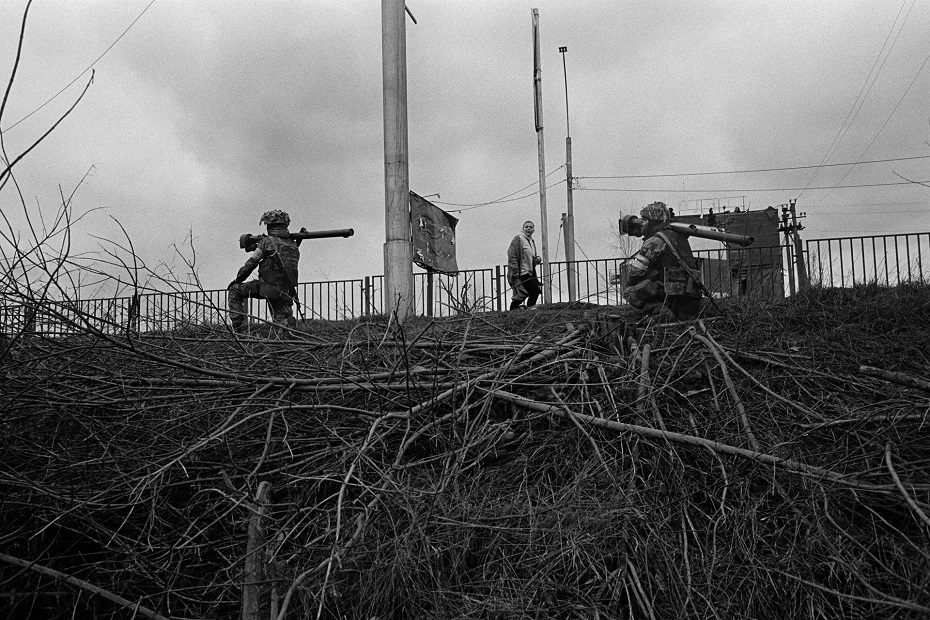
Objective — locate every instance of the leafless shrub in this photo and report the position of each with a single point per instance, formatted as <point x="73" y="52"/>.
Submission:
<point x="543" y="464"/>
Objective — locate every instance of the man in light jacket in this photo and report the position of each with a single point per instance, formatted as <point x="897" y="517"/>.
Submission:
<point x="521" y="263"/>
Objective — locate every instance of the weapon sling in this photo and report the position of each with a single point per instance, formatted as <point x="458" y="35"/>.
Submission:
<point x="688" y="270"/>
<point x="292" y="293"/>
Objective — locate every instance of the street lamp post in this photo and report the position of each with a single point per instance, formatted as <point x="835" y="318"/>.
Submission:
<point x="569" y="217"/>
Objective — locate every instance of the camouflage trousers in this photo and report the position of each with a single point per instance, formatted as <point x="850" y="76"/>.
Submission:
<point x="279" y="302"/>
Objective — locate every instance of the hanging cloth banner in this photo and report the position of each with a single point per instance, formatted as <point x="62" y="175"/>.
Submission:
<point x="433" y="236"/>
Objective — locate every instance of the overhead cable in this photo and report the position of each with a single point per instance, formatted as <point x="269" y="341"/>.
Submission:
<point x="864" y="90"/>
<point x="677" y="190"/>
<point x="501" y="201"/>
<point x="751" y="170"/>
<point x="502" y="198"/>
<point x="882" y="128"/>
<point x="872" y="211"/>
<point x="89" y="67"/>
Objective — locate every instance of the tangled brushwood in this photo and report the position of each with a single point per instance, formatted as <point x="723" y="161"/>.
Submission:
<point x="766" y="462"/>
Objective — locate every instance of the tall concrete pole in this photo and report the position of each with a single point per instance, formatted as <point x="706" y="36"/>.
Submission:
<point x="570" y="215"/>
<point x="398" y="254"/>
<point x="541" y="145"/>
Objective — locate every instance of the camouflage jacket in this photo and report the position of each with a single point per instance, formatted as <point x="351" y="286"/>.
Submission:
<point x="656" y="261"/>
<point x="276" y="258"/>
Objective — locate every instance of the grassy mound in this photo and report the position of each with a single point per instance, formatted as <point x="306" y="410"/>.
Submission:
<point x="561" y="462"/>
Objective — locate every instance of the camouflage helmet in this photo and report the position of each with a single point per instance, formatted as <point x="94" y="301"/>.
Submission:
<point x="655" y="212"/>
<point x="275" y="217"/>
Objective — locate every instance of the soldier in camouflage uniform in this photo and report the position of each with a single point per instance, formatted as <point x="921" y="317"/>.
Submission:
<point x="276" y="258"/>
<point x="663" y="271"/>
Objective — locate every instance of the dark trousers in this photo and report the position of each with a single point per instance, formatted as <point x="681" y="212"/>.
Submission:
<point x="528" y="289"/>
<point x="279" y="302"/>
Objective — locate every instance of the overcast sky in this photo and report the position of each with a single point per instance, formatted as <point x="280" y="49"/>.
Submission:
<point x="205" y="114"/>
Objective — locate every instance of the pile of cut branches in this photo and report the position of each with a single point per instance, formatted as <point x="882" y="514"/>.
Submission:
<point x="563" y="462"/>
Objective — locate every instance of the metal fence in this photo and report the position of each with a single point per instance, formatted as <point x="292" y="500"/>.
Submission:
<point x="743" y="272"/>
<point x="887" y="260"/>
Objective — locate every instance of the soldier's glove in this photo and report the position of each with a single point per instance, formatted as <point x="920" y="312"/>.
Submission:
<point x="303" y="229"/>
<point x="242" y="274"/>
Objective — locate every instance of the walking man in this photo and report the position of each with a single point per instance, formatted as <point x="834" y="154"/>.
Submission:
<point x="522" y="259"/>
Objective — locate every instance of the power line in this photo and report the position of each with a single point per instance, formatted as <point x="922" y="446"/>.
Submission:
<point x="488" y="204"/>
<point x="879" y="204"/>
<point x="760" y="189"/>
<point x="870" y="230"/>
<point x="753" y="170"/>
<point x="502" y="198"/>
<point x="578" y="245"/>
<point x="860" y="98"/>
<point x="888" y="118"/>
<point x="819" y="212"/>
<point x="89" y="67"/>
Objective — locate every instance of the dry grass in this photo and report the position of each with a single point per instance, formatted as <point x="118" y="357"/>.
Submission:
<point x="533" y="464"/>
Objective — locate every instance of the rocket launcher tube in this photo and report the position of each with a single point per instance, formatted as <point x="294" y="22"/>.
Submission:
<point x="322" y="234"/>
<point x="633" y="226"/>
<point x="706" y="232"/>
<point x="249" y="242"/>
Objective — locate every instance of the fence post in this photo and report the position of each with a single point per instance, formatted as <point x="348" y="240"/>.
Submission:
<point x="803" y="280"/>
<point x="499" y="288"/>
<point x="429" y="292"/>
<point x="366" y="296"/>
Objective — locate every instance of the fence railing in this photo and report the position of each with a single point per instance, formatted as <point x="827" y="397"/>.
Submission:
<point x="740" y="272"/>
<point x="888" y="260"/>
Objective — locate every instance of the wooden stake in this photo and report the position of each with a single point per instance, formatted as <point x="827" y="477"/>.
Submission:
<point x="254" y="556"/>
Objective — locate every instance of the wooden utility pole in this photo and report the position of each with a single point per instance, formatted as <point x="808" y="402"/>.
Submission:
<point x="786" y="228"/>
<point x="541" y="145"/>
<point x="803" y="280"/>
<point x="398" y="255"/>
<point x="569" y="200"/>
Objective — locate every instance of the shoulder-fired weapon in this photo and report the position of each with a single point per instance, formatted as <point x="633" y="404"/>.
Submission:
<point x="633" y="225"/>
<point x="249" y="243"/>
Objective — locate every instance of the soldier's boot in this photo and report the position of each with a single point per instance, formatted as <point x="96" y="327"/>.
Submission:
<point x="282" y="313"/>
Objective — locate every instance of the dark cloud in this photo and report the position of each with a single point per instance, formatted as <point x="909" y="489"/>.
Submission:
<point x="207" y="113"/>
